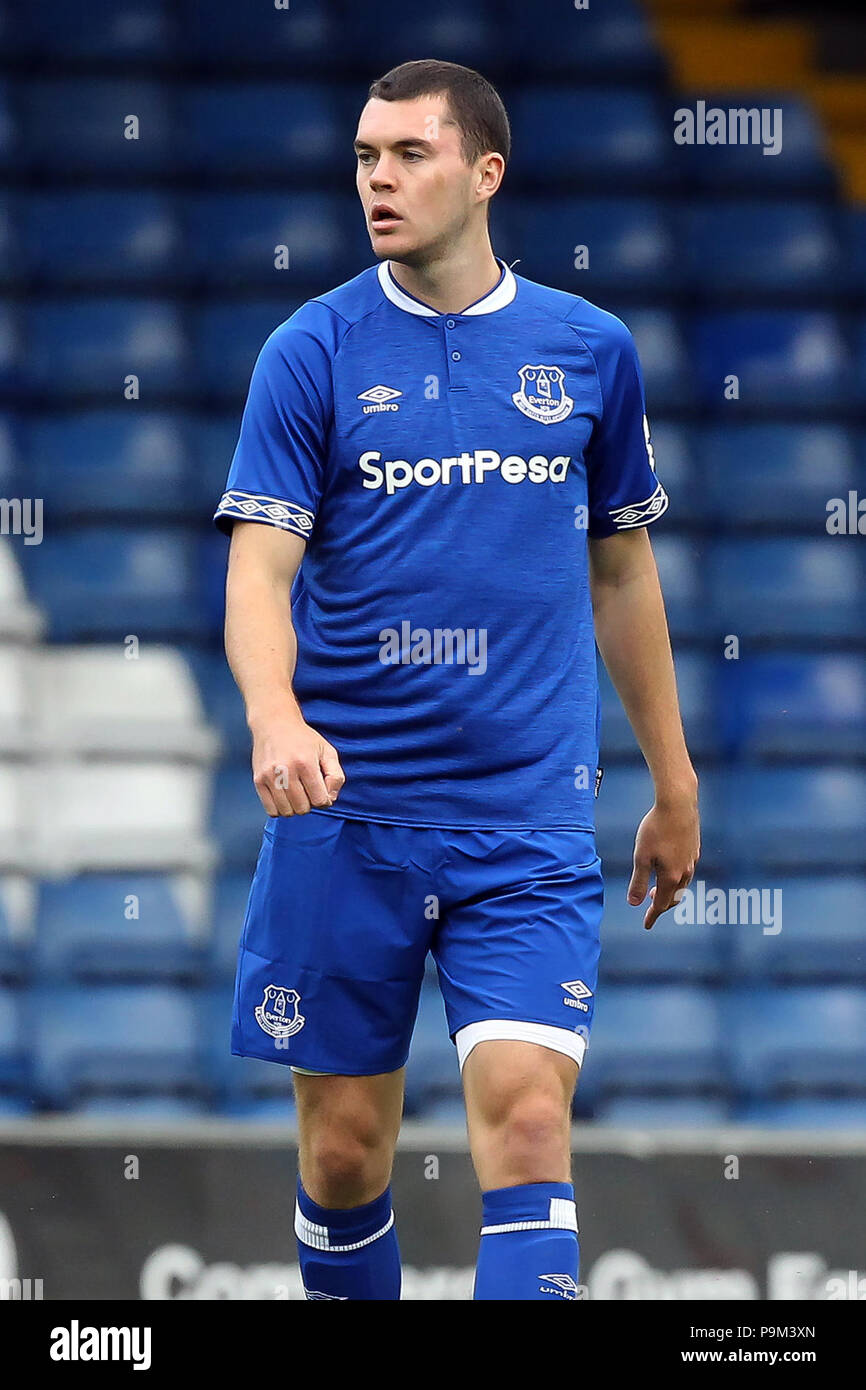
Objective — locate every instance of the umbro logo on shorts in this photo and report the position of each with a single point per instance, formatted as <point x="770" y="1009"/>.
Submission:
<point x="578" y="991"/>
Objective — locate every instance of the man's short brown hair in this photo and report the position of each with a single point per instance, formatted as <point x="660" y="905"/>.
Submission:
<point x="474" y="104"/>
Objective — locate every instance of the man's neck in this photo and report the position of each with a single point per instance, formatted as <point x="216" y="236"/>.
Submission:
<point x="450" y="285"/>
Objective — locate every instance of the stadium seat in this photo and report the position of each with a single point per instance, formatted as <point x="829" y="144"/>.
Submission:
<point x="296" y="39"/>
<point x="668" y="1112"/>
<point x="15" y="847"/>
<point x="466" y="31"/>
<point x="231" y="892"/>
<point x="116" y="815"/>
<point x="11" y="353"/>
<point x="147" y="1111"/>
<point x="801" y="166"/>
<point x="15" y="701"/>
<point x="762" y="250"/>
<point x="614" y="41"/>
<point x="105" y="239"/>
<point x="107" y="30"/>
<point x="613" y="136"/>
<point x="855" y="245"/>
<point x="233" y="241"/>
<point x="796" y="817"/>
<point x="223" y="702"/>
<point x="779" y="703"/>
<point x="237" y="818"/>
<point x="10" y="245"/>
<point x="821" y="933"/>
<point x="84" y="125"/>
<point x="92" y="700"/>
<point x="228" y="339"/>
<point x="432" y="1071"/>
<point x="774" y="475"/>
<point x="14" y="1062"/>
<point x="682" y="570"/>
<point x="15" y="929"/>
<point x="800" y="1040"/>
<point x="664" y="358"/>
<point x="100" y="584"/>
<point x="697" y="682"/>
<point x="286" y="129"/>
<point x="687" y="952"/>
<point x="808" y="1114"/>
<point x="210" y="445"/>
<point x="782" y="358"/>
<point x="10" y="133"/>
<point x="630" y="244"/>
<point x="668" y="1040"/>
<point x="128" y="463"/>
<point x="114" y="927"/>
<point x="99" y="1040"/>
<point x="679" y="465"/>
<point x="247" y="1088"/>
<point x="89" y="347"/>
<point x="778" y="589"/>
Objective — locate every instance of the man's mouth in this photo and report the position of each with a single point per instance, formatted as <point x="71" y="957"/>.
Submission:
<point x="383" y="217"/>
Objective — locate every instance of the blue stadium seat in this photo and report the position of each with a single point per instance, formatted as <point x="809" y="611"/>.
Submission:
<point x="681" y="564"/>
<point x="814" y="704"/>
<point x="210" y="445"/>
<point x="12" y="472"/>
<point x="796" y="817"/>
<point x="821" y="935"/>
<point x="144" y="1110"/>
<point x="89" y="239"/>
<point x="222" y="702"/>
<point x="107" y="463"/>
<point x="795" y="589"/>
<point x="288" y="129"/>
<point x="228" y="339"/>
<point x="797" y="1040"/>
<point x="113" y="927"/>
<point x="295" y="38"/>
<point x="762" y="249"/>
<point x="673" y="951"/>
<point x="668" y="1040"/>
<point x="232" y="241"/>
<point x="237" y="818"/>
<point x="697" y="681"/>
<point x="614" y="136"/>
<point x="805" y="1113"/>
<point x="247" y="1088"/>
<point x="11" y="258"/>
<point x="774" y="475"/>
<point x="782" y="358"/>
<point x="90" y="346"/>
<point x="664" y="358"/>
<point x="680" y="467"/>
<point x="630" y="243"/>
<point x="102" y="584"/>
<point x="15" y="949"/>
<point x="614" y="40"/>
<point x="106" y="1039"/>
<point x="10" y="133"/>
<point x="115" y="30"/>
<point x="230" y="894"/>
<point x="801" y="166"/>
<point x="855" y="245"/>
<point x="12" y="357"/>
<point x="14" y="1061"/>
<point x="82" y="125"/>
<point x="625" y="796"/>
<point x="668" y="1112"/>
<point x="432" y="1070"/>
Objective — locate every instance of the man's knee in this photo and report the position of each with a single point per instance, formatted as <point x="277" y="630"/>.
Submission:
<point x="519" y="1109"/>
<point x="347" y="1136"/>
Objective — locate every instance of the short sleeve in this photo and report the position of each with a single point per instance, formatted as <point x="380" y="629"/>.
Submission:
<point x="623" y="489"/>
<point x="277" y="472"/>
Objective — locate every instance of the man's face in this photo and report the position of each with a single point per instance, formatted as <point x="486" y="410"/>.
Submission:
<point x="417" y="191"/>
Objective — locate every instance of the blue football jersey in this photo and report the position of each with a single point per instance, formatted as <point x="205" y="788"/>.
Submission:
<point x="445" y="471"/>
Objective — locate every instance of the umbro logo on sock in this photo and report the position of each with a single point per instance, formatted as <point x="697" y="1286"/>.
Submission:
<point x="563" y="1286"/>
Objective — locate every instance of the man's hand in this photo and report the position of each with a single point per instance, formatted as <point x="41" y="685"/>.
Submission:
<point x="668" y="842"/>
<point x="294" y="767"/>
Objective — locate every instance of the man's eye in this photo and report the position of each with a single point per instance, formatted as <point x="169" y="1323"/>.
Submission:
<point x="413" y="154"/>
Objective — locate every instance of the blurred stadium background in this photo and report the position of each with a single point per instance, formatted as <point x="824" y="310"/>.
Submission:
<point x="139" y="281"/>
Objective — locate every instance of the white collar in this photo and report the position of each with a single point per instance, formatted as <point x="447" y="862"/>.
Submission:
<point x="501" y="294"/>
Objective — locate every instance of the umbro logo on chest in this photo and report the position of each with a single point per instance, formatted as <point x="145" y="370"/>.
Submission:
<point x="378" y="399"/>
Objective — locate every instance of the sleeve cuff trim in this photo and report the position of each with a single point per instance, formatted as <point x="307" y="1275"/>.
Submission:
<point x="640" y="513"/>
<point x="250" y="506"/>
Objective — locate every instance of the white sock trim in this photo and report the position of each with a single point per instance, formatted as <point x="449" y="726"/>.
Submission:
<point x="562" y="1217"/>
<point x="312" y="1234"/>
<point x="545" y="1034"/>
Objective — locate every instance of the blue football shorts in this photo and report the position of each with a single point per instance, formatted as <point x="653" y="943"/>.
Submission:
<point x="343" y="912"/>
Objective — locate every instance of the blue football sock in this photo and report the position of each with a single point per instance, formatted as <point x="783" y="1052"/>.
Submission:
<point x="350" y="1253"/>
<point x="529" y="1247"/>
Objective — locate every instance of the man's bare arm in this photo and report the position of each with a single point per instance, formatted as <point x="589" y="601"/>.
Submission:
<point x="632" y="635"/>
<point x="294" y="767"/>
